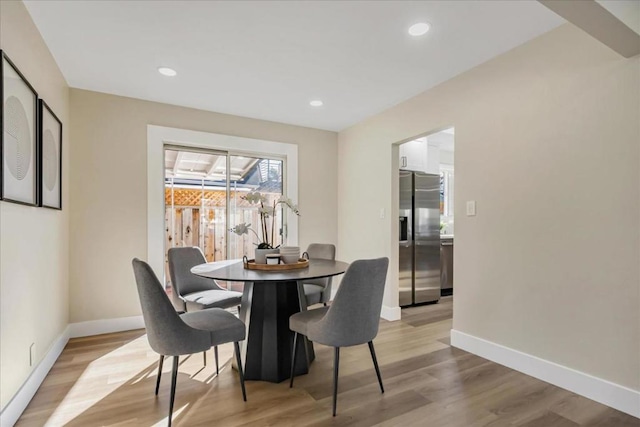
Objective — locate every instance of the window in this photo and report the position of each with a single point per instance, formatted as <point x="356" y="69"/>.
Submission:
<point x="203" y="198"/>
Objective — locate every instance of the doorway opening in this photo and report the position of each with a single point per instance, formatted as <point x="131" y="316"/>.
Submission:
<point x="426" y="229"/>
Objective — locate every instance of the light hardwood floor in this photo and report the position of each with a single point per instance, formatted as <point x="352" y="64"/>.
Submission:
<point x="109" y="380"/>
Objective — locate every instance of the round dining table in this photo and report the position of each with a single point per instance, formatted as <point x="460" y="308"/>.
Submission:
<point x="269" y="298"/>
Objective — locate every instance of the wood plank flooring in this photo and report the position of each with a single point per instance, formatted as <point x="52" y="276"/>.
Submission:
<point x="109" y="380"/>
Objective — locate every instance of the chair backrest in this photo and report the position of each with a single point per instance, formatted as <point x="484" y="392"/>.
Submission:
<point x="181" y="260"/>
<point x="167" y="333"/>
<point x="354" y="315"/>
<point x="322" y="251"/>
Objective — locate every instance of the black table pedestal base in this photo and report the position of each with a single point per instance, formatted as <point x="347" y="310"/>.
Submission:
<point x="266" y="353"/>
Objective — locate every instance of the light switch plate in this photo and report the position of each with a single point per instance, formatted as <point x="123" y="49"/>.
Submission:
<point x="471" y="208"/>
<point x="381" y="213"/>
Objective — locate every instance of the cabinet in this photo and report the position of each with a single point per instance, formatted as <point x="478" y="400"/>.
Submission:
<point x="413" y="155"/>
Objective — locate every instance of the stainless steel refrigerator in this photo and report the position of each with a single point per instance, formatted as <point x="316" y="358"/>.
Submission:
<point x="419" y="238"/>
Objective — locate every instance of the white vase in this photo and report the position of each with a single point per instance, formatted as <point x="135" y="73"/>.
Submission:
<point x="261" y="255"/>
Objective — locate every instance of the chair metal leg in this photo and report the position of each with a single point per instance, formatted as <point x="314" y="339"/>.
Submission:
<point x="375" y="364"/>
<point x="240" y="371"/>
<point x="336" y="363"/>
<point x="215" y="352"/>
<point x="204" y="357"/>
<point x="174" y="379"/>
<point x="160" y="362"/>
<point x="293" y="358"/>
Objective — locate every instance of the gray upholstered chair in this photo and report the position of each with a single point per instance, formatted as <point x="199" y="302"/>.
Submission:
<point x="319" y="290"/>
<point x="352" y="318"/>
<point x="171" y="334"/>
<point x="193" y="293"/>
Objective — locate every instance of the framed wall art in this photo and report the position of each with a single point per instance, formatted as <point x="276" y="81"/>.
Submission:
<point x="18" y="139"/>
<point x="50" y="158"/>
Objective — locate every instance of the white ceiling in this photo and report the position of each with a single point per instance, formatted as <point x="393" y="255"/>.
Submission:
<point x="268" y="59"/>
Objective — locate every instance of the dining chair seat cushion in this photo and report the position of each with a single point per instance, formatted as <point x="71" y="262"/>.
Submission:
<point x="300" y="322"/>
<point x="223" y="327"/>
<point x="181" y="260"/>
<point x="313" y="293"/>
<point x="212" y="298"/>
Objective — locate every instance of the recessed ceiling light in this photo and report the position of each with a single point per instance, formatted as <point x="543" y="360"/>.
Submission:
<point x="316" y="103"/>
<point x="419" y="29"/>
<point x="166" y="71"/>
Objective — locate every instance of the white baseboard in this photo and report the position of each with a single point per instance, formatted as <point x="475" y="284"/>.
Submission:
<point x="105" y="326"/>
<point x="16" y="406"/>
<point x="390" y="313"/>
<point x="21" y="399"/>
<point x="614" y="395"/>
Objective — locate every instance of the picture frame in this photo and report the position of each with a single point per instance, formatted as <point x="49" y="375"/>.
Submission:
<point x="19" y="169"/>
<point x="50" y="149"/>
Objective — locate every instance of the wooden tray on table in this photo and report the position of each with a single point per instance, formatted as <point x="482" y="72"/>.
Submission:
<point x="250" y="264"/>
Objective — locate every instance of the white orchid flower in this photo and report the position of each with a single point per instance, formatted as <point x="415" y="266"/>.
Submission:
<point x="255" y="197"/>
<point x="286" y="201"/>
<point x="267" y="211"/>
<point x="241" y="229"/>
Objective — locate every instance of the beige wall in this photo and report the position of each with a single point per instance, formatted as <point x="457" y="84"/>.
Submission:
<point x="547" y="143"/>
<point x="109" y="190"/>
<point x="34" y="256"/>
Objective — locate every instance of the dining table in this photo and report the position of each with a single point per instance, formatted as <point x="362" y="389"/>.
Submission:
<point x="269" y="298"/>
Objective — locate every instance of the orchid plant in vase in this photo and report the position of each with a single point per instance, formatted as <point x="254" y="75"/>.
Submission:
<point x="267" y="218"/>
